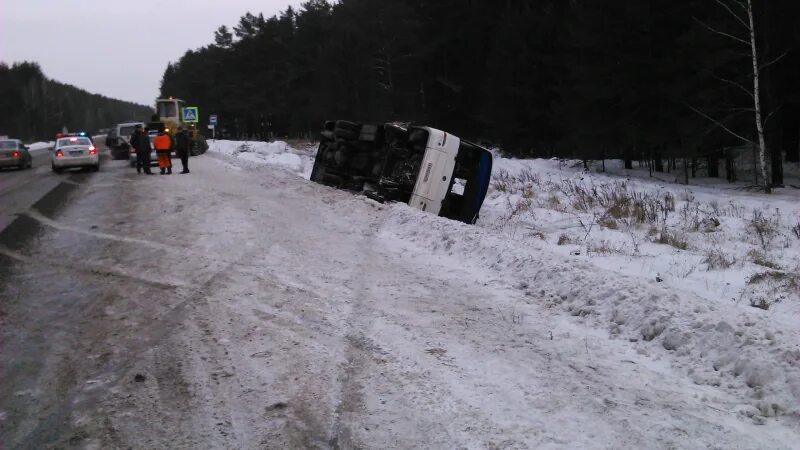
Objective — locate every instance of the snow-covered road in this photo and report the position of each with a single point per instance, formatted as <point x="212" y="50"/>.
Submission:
<point x="245" y="307"/>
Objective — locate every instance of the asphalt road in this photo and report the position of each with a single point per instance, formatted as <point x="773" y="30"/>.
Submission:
<point x="42" y="310"/>
<point x="109" y="333"/>
<point x="19" y="189"/>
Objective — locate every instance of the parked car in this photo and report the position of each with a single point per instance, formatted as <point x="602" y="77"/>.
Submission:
<point x="13" y="153"/>
<point x="118" y="138"/>
<point x="74" y="151"/>
<point x="427" y="168"/>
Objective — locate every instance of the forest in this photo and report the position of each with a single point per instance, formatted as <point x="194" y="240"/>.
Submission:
<point x="661" y="82"/>
<point x="34" y="107"/>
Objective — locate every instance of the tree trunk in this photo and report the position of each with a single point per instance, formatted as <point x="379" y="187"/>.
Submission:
<point x="755" y="164"/>
<point x="658" y="163"/>
<point x="603" y="159"/>
<point x="422" y="95"/>
<point x="713" y="165"/>
<point x="694" y="167"/>
<point x="628" y="163"/>
<point x="685" y="171"/>
<point x="730" y="165"/>
<point x="762" y="146"/>
<point x="776" y="163"/>
<point x="790" y="132"/>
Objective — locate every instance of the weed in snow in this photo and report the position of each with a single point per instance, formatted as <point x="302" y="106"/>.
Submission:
<point x="716" y="258"/>
<point x="765" y="228"/>
<point x="760" y="258"/>
<point x="764" y="289"/>
<point x="674" y="239"/>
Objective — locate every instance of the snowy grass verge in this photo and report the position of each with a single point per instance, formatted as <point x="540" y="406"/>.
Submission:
<point x="722" y="244"/>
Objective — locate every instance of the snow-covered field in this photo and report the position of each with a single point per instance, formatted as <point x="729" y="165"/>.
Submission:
<point x="701" y="283"/>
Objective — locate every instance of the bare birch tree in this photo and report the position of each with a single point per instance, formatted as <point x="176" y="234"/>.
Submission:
<point x="745" y="18"/>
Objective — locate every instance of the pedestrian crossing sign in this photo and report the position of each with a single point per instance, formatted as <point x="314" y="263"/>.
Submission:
<point x="190" y="114"/>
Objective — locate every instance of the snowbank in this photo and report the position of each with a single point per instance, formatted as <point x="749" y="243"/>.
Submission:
<point x="724" y="345"/>
<point x="36" y="146"/>
<point x="705" y="277"/>
<point x="276" y="153"/>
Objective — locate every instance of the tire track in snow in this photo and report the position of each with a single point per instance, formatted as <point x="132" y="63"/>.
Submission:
<point x="88" y="269"/>
<point x="351" y="399"/>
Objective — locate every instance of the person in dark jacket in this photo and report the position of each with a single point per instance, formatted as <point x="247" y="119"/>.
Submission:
<point x="182" y="145"/>
<point x="141" y="143"/>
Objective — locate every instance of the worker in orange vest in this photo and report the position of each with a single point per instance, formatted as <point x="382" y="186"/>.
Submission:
<point x="163" y="144"/>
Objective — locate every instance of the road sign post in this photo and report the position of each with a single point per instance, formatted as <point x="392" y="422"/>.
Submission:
<point x="212" y="125"/>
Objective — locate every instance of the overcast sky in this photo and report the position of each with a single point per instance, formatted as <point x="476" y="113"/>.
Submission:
<point x="118" y="48"/>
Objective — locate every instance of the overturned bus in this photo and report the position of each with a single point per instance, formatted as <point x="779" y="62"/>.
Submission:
<point x="429" y="169"/>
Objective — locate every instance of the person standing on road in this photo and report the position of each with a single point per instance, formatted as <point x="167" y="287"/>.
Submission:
<point x="163" y="145"/>
<point x="141" y="144"/>
<point x="182" y="144"/>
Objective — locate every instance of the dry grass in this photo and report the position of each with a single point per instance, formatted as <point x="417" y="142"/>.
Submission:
<point x="523" y="183"/>
<point x="772" y="286"/>
<point x="609" y="223"/>
<point x="792" y="280"/>
<point x="715" y="258"/>
<point x="765" y="228"/>
<point x="673" y="239"/>
<point x="538" y="234"/>
<point x="645" y="215"/>
<point x="760" y="258"/>
<point x="515" y="209"/>
<point x="554" y="202"/>
<point x="615" y="200"/>
<point x="604" y="248"/>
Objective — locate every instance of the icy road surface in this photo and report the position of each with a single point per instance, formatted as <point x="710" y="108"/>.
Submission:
<point x="248" y="308"/>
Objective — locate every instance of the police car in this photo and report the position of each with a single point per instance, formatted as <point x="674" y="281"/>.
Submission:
<point x="74" y="151"/>
<point x="76" y="134"/>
